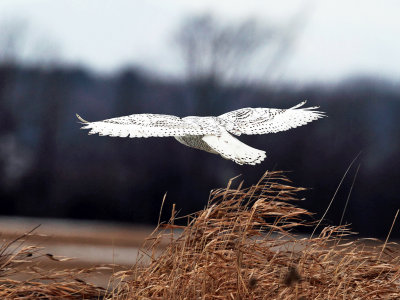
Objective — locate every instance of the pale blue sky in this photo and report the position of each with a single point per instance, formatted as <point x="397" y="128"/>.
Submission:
<point x="341" y="37"/>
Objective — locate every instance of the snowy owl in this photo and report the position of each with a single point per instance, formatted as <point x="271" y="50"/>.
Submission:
<point x="211" y="134"/>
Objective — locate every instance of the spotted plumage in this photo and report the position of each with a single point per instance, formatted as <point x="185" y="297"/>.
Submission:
<point x="211" y="134"/>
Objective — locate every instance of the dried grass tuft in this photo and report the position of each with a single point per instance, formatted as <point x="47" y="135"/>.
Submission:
<point x="241" y="247"/>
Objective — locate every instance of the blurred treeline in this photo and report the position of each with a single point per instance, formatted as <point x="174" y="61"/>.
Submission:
<point x="50" y="168"/>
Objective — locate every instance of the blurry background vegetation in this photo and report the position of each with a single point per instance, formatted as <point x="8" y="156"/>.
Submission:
<point x="49" y="168"/>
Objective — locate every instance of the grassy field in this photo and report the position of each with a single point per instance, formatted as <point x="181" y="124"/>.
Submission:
<point x="241" y="246"/>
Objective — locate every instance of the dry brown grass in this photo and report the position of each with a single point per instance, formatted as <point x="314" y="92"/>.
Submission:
<point x="241" y="247"/>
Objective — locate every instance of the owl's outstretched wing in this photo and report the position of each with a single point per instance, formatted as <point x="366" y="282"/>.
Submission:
<point x="268" y="120"/>
<point x="147" y="125"/>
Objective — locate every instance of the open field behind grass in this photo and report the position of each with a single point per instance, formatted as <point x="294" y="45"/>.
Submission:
<point x="88" y="243"/>
<point x="240" y="246"/>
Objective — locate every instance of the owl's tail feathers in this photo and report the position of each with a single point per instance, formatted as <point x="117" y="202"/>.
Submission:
<point x="231" y="148"/>
<point x="82" y="121"/>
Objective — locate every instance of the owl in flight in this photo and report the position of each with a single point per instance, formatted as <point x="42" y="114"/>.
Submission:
<point x="211" y="134"/>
